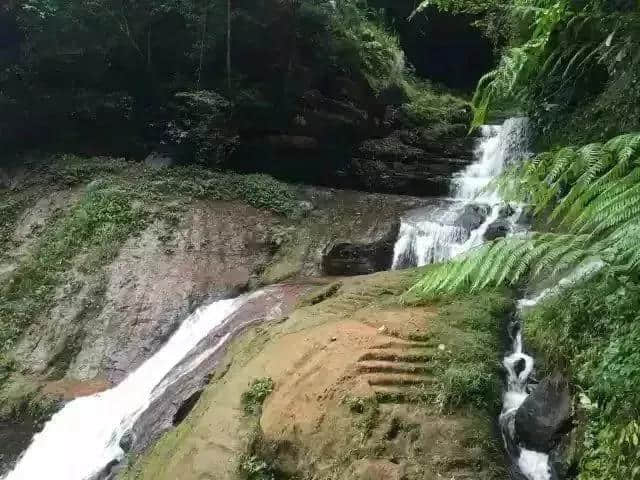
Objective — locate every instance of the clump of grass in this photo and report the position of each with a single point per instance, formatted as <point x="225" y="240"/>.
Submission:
<point x="368" y="411"/>
<point x="253" y="399"/>
<point x="466" y="385"/>
<point x="253" y="467"/>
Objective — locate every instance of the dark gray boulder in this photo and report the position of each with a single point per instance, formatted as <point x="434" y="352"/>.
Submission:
<point x="472" y="216"/>
<point x="361" y="258"/>
<point x="498" y="229"/>
<point x="506" y="210"/>
<point x="544" y="415"/>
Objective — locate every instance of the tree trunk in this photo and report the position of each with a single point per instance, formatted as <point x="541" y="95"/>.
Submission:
<point x="202" y="42"/>
<point x="229" y="45"/>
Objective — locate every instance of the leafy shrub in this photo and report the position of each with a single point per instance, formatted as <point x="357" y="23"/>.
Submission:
<point x="362" y="42"/>
<point x="427" y="106"/>
<point x="255" y="396"/>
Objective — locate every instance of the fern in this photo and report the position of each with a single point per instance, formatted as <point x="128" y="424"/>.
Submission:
<point x="593" y="193"/>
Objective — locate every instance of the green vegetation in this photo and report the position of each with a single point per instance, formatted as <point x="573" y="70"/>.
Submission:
<point x="427" y="106"/>
<point x="186" y="72"/>
<point x="468" y="369"/>
<point x="592" y="332"/>
<point x="255" y="396"/>
<point x="586" y="197"/>
<point x="21" y="398"/>
<point x="569" y="67"/>
<point x="95" y="227"/>
<point x="367" y="411"/>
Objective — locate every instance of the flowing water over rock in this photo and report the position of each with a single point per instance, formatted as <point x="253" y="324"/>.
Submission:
<point x="89" y="435"/>
<point x="433" y="235"/>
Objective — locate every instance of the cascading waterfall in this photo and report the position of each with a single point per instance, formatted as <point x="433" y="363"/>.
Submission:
<point x="428" y="236"/>
<point x="84" y="437"/>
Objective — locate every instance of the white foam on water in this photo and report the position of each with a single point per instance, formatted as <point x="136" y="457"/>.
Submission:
<point x="423" y="241"/>
<point x="83" y="438"/>
<point x="534" y="465"/>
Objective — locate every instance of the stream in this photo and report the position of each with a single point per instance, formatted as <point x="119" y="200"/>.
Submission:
<point x="89" y="436"/>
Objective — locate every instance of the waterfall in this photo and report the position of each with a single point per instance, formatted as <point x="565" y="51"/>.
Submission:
<point x="434" y="235"/>
<point x="84" y="437"/>
<point x="428" y="236"/>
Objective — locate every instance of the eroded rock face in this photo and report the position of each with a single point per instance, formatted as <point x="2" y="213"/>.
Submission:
<point x="544" y="414"/>
<point x="356" y="141"/>
<point x="104" y="323"/>
<point x="115" y="321"/>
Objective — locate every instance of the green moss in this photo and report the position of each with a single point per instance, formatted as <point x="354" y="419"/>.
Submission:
<point x="21" y="397"/>
<point x="428" y="106"/>
<point x="95" y="228"/>
<point x="260" y="191"/>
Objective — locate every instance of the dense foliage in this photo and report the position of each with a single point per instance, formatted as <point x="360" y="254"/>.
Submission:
<point x="106" y="72"/>
<point x="571" y="66"/>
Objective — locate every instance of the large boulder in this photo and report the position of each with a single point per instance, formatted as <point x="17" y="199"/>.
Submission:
<point x="544" y="415"/>
<point x="363" y="258"/>
<point x="472" y="216"/>
<point x="498" y="229"/>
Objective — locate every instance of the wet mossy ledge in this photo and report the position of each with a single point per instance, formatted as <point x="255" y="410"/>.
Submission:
<point x="360" y="381"/>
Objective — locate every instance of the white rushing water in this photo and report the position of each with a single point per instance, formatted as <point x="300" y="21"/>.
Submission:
<point x="428" y="236"/>
<point x="84" y="437"/>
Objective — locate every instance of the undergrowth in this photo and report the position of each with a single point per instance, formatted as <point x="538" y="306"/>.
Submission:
<point x="253" y="398"/>
<point x="592" y="331"/>
<point x="258" y="460"/>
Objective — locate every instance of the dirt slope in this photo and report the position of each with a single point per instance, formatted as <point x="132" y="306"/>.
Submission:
<point x="362" y="391"/>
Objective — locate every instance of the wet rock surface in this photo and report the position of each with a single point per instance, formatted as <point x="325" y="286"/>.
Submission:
<point x="498" y="229"/>
<point x="544" y="415"/>
<point x="103" y="324"/>
<point x="14" y="438"/>
<point x="472" y="216"/>
<point x="274" y="303"/>
<point x="361" y="259"/>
